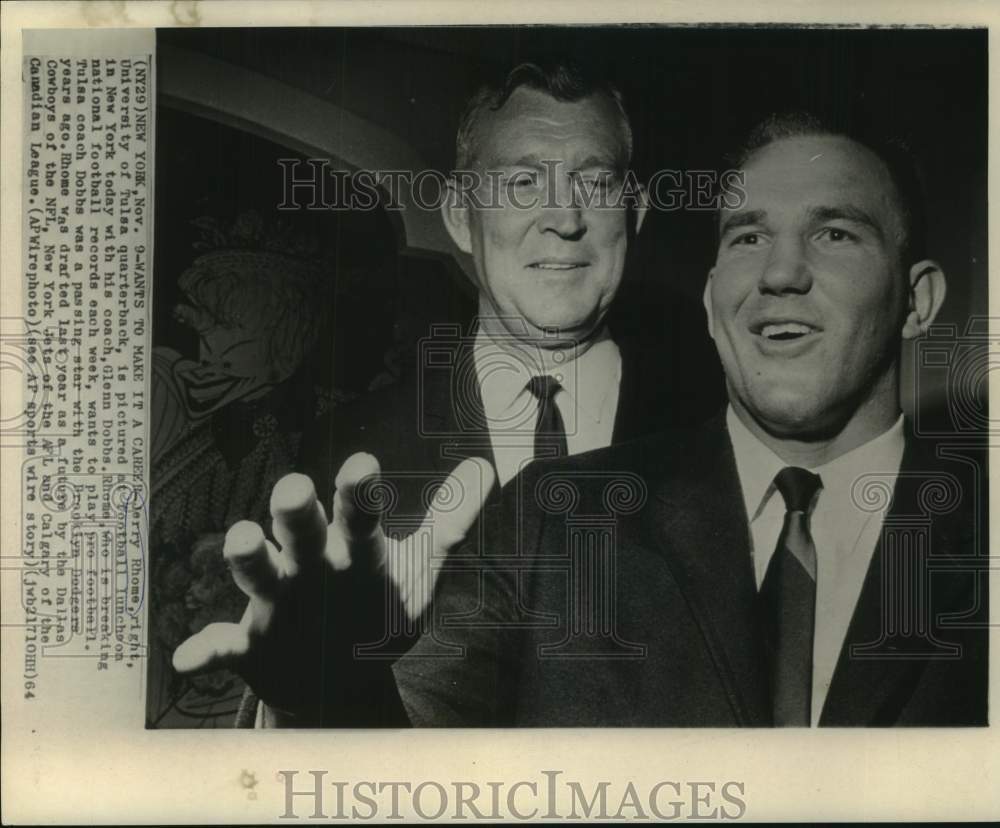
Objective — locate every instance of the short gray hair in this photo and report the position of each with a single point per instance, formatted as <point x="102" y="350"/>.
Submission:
<point x="563" y="80"/>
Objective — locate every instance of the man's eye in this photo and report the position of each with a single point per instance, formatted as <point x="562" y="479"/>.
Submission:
<point x="837" y="234"/>
<point x="523" y="180"/>
<point x="746" y="239"/>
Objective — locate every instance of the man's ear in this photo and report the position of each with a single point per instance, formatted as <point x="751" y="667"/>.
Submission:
<point x="706" y="300"/>
<point x="927" y="292"/>
<point x="455" y="213"/>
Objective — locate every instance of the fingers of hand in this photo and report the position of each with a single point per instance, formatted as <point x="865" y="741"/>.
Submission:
<point x="299" y="523"/>
<point x="355" y="537"/>
<point x="216" y="646"/>
<point x="345" y="548"/>
<point x="254" y="562"/>
<point x="360" y="498"/>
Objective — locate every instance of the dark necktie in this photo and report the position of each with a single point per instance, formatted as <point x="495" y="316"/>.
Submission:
<point x="788" y="602"/>
<point x="550" y="433"/>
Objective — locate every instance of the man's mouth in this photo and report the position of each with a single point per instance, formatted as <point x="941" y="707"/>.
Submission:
<point x="784" y="331"/>
<point x="557" y="264"/>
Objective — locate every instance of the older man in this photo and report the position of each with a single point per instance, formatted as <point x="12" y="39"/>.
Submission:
<point x="539" y="201"/>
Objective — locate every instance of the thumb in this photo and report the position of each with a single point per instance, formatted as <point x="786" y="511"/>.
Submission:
<point x="217" y="646"/>
<point x="457" y="503"/>
<point x="414" y="563"/>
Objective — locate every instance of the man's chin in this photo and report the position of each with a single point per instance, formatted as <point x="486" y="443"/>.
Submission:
<point x="560" y="328"/>
<point x="792" y="416"/>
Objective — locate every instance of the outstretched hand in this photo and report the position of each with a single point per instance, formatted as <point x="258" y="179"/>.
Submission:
<point x="324" y="588"/>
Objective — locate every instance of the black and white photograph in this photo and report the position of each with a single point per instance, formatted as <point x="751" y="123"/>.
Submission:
<point x="615" y="358"/>
<point x="427" y="412"/>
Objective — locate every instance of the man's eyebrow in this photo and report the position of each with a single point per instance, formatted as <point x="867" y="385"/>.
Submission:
<point x="607" y="162"/>
<point x="846" y="212"/>
<point x="533" y="159"/>
<point x="742" y="219"/>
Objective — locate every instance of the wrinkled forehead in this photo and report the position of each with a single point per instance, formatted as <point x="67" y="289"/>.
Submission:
<point x="797" y="176"/>
<point x="534" y="125"/>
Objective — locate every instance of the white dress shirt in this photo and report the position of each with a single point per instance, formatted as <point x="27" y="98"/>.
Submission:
<point x="844" y="534"/>
<point x="587" y="400"/>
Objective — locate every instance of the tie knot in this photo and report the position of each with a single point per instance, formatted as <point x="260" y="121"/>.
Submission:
<point x="543" y="387"/>
<point x="797" y="487"/>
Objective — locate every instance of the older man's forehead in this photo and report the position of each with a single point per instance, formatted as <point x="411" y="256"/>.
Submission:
<point x="532" y="125"/>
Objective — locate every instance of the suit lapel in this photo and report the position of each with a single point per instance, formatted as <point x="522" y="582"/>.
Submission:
<point x="451" y="405"/>
<point x="879" y="668"/>
<point x="631" y="411"/>
<point x="700" y="524"/>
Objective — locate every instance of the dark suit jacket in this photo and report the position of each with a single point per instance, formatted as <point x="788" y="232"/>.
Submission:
<point x="423" y="427"/>
<point x="616" y="588"/>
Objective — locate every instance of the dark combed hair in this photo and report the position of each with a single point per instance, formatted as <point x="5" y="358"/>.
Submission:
<point x="892" y="152"/>
<point x="564" y="80"/>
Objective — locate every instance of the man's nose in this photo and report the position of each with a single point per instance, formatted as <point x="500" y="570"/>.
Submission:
<point x="787" y="269"/>
<point x="561" y="212"/>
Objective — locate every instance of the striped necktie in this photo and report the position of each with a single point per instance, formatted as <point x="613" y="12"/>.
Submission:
<point x="550" y="433"/>
<point x="788" y="602"/>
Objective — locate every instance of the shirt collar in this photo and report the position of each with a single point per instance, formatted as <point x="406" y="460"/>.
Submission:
<point x="881" y="455"/>
<point x="587" y="380"/>
<point x="757" y="465"/>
